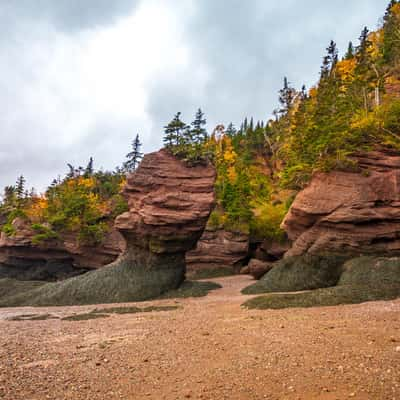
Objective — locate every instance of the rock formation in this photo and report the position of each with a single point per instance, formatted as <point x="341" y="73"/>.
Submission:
<point x="22" y="258"/>
<point x="257" y="268"/>
<point x="218" y="250"/>
<point x="169" y="205"/>
<point x="349" y="212"/>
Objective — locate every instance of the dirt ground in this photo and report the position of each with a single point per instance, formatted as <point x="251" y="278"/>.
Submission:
<point x="208" y="348"/>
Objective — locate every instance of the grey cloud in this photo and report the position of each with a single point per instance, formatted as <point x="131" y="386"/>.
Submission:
<point x="250" y="46"/>
<point x="65" y="15"/>
<point x="239" y="52"/>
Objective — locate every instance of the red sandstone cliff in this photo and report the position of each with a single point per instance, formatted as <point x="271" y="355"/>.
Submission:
<point x="349" y="212"/>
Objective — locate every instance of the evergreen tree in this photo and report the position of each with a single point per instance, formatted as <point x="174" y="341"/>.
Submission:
<point x="303" y="93"/>
<point x="89" y="168"/>
<point x="350" y="52"/>
<point x="173" y="132"/>
<point x="20" y="187"/>
<point x="286" y="97"/>
<point x="9" y="198"/>
<point x="134" y="157"/>
<point x="391" y="29"/>
<point x="71" y="173"/>
<point x="231" y="130"/>
<point x="362" y="54"/>
<point x="329" y="61"/>
<point x="198" y="132"/>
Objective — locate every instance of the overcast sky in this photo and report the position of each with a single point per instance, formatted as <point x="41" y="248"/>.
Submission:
<point x="80" y="78"/>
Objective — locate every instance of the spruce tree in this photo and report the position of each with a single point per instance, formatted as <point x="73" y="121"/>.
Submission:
<point x="391" y="37"/>
<point x="286" y="97"/>
<point x="350" y="52"/>
<point x="362" y="49"/>
<point x="173" y="132"/>
<point x="89" y="168"/>
<point x="230" y="130"/>
<point x="329" y="61"/>
<point x="20" y="187"/>
<point x="198" y="132"/>
<point x="134" y="157"/>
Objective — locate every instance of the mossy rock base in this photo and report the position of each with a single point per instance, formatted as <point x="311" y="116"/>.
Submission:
<point x="362" y="279"/>
<point x="324" y="297"/>
<point x="136" y="276"/>
<point x="191" y="289"/>
<point x="371" y="271"/>
<point x="298" y="273"/>
<point x="210" y="272"/>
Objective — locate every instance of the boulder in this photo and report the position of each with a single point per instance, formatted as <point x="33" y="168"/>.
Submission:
<point x="169" y="205"/>
<point x="272" y="250"/>
<point x="258" y="268"/>
<point x="218" y="250"/>
<point x="349" y="212"/>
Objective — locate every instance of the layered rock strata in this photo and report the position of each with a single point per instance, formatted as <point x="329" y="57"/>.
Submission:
<point x="349" y="212"/>
<point x="22" y="258"/>
<point x="218" y="249"/>
<point x="169" y="205"/>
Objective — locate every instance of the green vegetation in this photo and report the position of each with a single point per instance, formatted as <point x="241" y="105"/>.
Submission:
<point x="358" y="280"/>
<point x="133" y="310"/>
<point x="298" y="273"/>
<point x="83" y="203"/>
<point x="324" y="297"/>
<point x="191" y="289"/>
<point x="210" y="272"/>
<point x="84" y="317"/>
<point x="354" y="106"/>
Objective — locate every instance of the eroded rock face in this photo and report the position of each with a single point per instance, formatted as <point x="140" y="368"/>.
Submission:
<point x="218" y="249"/>
<point x="355" y="213"/>
<point x="21" y="258"/>
<point x="169" y="205"/>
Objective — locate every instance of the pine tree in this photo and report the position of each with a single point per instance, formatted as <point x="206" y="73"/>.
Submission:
<point x="286" y="97"/>
<point x="72" y="171"/>
<point x="9" y="198"/>
<point x="198" y="132"/>
<point x="231" y="130"/>
<point x="20" y="187"/>
<point x="391" y="29"/>
<point x="362" y="49"/>
<point x="303" y="93"/>
<point x="173" y="132"/>
<point x="329" y="61"/>
<point x="134" y="157"/>
<point x="350" y="52"/>
<point x="89" y="168"/>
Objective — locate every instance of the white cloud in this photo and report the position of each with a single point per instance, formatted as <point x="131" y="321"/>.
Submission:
<point x="80" y="79"/>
